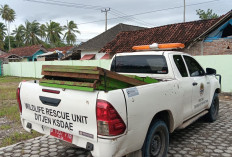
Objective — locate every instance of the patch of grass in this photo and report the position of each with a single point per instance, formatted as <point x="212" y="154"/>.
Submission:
<point x="8" y="93"/>
<point x="7" y="79"/>
<point x="18" y="137"/>
<point x="9" y="109"/>
<point x="5" y="127"/>
<point x="11" y="112"/>
<point x="8" y="86"/>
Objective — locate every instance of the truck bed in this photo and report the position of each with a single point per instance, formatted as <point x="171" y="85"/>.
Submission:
<point x="88" y="78"/>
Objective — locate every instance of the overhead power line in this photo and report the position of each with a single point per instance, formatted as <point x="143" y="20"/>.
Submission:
<point x="120" y="14"/>
<point x="84" y="6"/>
<point x="67" y="4"/>
<point x="131" y="15"/>
<point x="159" y="10"/>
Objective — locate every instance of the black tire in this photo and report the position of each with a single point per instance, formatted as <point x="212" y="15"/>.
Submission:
<point x="157" y="140"/>
<point x="214" y="109"/>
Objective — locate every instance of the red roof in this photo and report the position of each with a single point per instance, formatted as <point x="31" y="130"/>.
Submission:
<point x="106" y="56"/>
<point x="66" y="48"/>
<point x="174" y="33"/>
<point x="88" y="57"/>
<point x="7" y="55"/>
<point x="27" y="51"/>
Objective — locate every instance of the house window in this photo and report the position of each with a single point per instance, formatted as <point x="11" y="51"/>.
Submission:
<point x="224" y="31"/>
<point x="227" y="31"/>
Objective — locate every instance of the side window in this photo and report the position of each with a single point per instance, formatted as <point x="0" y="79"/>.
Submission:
<point x="180" y="65"/>
<point x="193" y="66"/>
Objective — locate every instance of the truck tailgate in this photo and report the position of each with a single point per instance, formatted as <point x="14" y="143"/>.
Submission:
<point x="70" y="111"/>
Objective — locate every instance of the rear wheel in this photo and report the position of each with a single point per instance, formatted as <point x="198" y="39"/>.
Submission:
<point x="214" y="109"/>
<point x="157" y="140"/>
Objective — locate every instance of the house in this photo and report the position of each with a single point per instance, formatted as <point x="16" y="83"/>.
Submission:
<point x="72" y="54"/>
<point x="54" y="53"/>
<point x="89" y="49"/>
<point x="2" y="52"/>
<point x="29" y="53"/>
<point x="203" y="37"/>
<point x="7" y="57"/>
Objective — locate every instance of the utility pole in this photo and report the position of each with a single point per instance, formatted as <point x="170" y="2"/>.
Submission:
<point x="184" y="10"/>
<point x="105" y="11"/>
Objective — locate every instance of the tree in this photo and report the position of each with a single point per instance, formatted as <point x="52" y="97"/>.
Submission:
<point x="42" y="31"/>
<point x="32" y="33"/>
<point x="19" y="35"/>
<point x="54" y="32"/>
<point x="205" y="15"/>
<point x="12" y="41"/>
<point x="2" y="34"/>
<point x="70" y="35"/>
<point x="8" y="15"/>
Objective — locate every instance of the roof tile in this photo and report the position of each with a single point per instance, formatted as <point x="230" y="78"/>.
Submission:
<point x="27" y="51"/>
<point x="174" y="33"/>
<point x="66" y="48"/>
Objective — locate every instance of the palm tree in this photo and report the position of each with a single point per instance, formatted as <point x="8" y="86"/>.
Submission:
<point x="70" y="35"/>
<point x="54" y="32"/>
<point x="8" y="15"/>
<point x="32" y="33"/>
<point x="2" y="34"/>
<point x="42" y="31"/>
<point x="19" y="35"/>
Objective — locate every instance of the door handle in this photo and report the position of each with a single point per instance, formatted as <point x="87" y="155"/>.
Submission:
<point x="49" y="101"/>
<point x="195" y="83"/>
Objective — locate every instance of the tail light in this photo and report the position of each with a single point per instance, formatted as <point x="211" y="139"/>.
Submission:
<point x="19" y="100"/>
<point x="109" y="121"/>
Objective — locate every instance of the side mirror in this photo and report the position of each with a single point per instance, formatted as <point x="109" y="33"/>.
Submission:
<point x="210" y="71"/>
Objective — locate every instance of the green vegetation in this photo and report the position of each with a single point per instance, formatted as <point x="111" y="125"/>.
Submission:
<point x="18" y="137"/>
<point x="205" y="15"/>
<point x="9" y="110"/>
<point x="11" y="113"/>
<point x="5" y="127"/>
<point x="70" y="35"/>
<point x="8" y="15"/>
<point x="32" y="32"/>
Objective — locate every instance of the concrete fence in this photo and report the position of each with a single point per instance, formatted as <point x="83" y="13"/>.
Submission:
<point x="222" y="63"/>
<point x="33" y="69"/>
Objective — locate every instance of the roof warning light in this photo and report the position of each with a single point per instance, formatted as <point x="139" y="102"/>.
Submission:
<point x="155" y="46"/>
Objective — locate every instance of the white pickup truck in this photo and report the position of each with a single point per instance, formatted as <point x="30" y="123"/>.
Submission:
<point x="122" y="121"/>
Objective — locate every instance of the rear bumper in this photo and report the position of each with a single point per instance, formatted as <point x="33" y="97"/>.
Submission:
<point x="101" y="147"/>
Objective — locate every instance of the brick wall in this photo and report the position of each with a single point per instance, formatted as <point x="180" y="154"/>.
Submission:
<point x="216" y="47"/>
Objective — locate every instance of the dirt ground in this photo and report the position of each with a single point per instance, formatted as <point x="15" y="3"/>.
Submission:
<point x="11" y="130"/>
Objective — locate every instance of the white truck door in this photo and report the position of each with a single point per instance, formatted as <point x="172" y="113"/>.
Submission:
<point x="200" y="85"/>
<point x="185" y="85"/>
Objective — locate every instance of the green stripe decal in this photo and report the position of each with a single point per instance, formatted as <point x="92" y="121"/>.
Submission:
<point x="67" y="87"/>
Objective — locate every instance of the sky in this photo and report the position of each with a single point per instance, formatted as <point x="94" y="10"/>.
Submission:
<point x="91" y="20"/>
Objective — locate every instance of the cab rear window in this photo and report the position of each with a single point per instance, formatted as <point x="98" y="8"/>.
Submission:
<point x="152" y="64"/>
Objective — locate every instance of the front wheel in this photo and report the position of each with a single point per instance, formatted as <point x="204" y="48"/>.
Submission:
<point x="214" y="109"/>
<point x="157" y="140"/>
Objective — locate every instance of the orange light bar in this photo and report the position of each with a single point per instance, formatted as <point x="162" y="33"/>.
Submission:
<point x="171" y="46"/>
<point x="156" y="46"/>
<point x="141" y="47"/>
